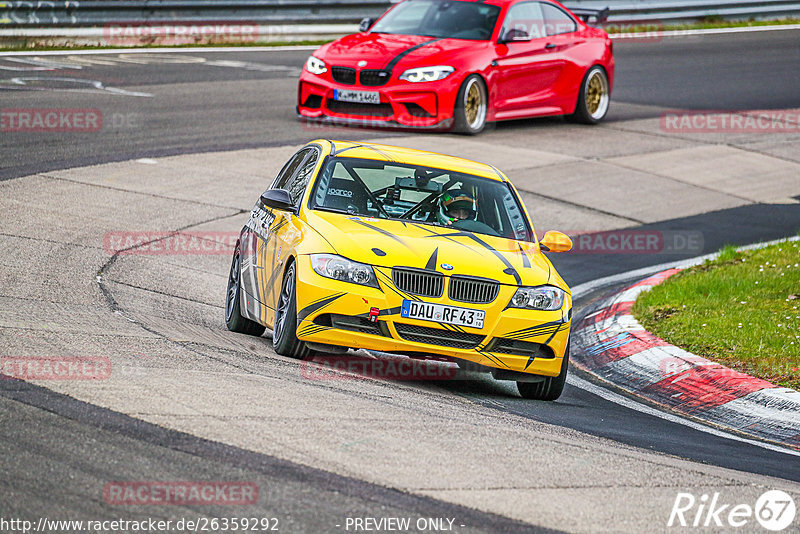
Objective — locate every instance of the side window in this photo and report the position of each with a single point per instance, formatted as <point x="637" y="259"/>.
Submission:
<point x="298" y="182"/>
<point x="557" y="21"/>
<point x="524" y="20"/>
<point x="295" y="174"/>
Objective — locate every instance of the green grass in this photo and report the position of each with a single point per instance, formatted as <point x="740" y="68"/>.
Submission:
<point x="707" y="24"/>
<point x="32" y="45"/>
<point x="741" y="310"/>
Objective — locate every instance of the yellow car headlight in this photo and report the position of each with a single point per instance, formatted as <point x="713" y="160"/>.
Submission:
<point x="544" y="298"/>
<point x="340" y="268"/>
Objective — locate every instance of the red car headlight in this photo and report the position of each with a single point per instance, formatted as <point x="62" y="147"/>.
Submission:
<point x="427" y="74"/>
<point x="314" y="65"/>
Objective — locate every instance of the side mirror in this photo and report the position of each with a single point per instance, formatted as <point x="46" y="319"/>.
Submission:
<point x="278" y="199"/>
<point x="366" y="24"/>
<point x="514" y="35"/>
<point x="556" y="242"/>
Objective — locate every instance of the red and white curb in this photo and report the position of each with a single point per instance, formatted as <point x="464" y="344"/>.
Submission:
<point x="613" y="346"/>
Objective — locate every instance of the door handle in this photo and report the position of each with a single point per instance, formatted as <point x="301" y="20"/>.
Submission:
<point x="549" y="46"/>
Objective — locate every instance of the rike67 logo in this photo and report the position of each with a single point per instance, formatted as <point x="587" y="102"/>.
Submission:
<point x="774" y="510"/>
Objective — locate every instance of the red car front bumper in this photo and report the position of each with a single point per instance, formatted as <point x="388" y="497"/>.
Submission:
<point x="405" y="104"/>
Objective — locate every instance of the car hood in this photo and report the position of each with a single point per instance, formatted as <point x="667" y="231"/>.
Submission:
<point x="388" y="243"/>
<point x="380" y="49"/>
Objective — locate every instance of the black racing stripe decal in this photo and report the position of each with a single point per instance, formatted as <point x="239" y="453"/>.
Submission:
<point x="526" y="263"/>
<point x="382" y="231"/>
<point x="534" y="331"/>
<point x="311" y="330"/>
<point x="509" y="268"/>
<point x="379" y="151"/>
<point x="549" y="339"/>
<point x="390" y="284"/>
<point x="492" y="357"/>
<point x="551" y="324"/>
<point x="547" y="342"/>
<point x="317" y="305"/>
<point x="446" y="236"/>
<point x="275" y="273"/>
<point x="281" y="224"/>
<point x="431" y="265"/>
<point x="391" y="65"/>
<point x="335" y="152"/>
<point x="533" y="328"/>
<point x="550" y="331"/>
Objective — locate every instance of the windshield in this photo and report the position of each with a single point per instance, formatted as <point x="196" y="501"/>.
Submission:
<point x="388" y="190"/>
<point x="440" y="18"/>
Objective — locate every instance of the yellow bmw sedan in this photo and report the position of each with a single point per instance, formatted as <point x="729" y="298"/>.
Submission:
<point x="377" y="247"/>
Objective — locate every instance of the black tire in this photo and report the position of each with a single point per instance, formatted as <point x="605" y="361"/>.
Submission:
<point x="594" y="97"/>
<point x="284" y="333"/>
<point x="550" y="388"/>
<point x="471" y="107"/>
<point x="233" y="313"/>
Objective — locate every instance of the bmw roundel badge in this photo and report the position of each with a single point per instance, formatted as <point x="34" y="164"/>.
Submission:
<point x="447" y="267"/>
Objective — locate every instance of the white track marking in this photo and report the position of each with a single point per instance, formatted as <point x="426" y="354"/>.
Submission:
<point x="186" y="50"/>
<point x="706" y="31"/>
<point x="634" y="405"/>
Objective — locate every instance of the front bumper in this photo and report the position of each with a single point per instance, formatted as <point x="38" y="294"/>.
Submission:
<point x="404" y="104"/>
<point x="337" y="313"/>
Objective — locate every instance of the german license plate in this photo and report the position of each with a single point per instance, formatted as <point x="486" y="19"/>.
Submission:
<point x="440" y="313"/>
<point x="360" y="97"/>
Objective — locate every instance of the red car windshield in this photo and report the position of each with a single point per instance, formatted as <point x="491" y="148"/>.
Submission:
<point x="440" y="18"/>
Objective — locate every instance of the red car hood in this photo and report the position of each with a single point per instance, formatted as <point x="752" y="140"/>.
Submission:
<point x="379" y="49"/>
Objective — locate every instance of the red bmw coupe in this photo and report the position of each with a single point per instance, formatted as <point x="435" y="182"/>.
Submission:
<point x="460" y="64"/>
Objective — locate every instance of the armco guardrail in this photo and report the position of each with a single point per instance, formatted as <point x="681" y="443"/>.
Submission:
<point x="30" y="13"/>
<point x="91" y="21"/>
<point x="39" y="13"/>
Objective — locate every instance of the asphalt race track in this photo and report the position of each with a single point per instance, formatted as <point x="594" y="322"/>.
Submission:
<point x="188" y="142"/>
<point x="210" y="102"/>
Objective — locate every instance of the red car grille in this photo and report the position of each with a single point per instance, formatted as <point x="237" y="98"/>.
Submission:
<point x="374" y="78"/>
<point x="364" y="110"/>
<point x="344" y="75"/>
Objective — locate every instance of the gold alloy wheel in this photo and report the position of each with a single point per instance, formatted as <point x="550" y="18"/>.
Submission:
<point x="597" y="95"/>
<point x="474" y="106"/>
